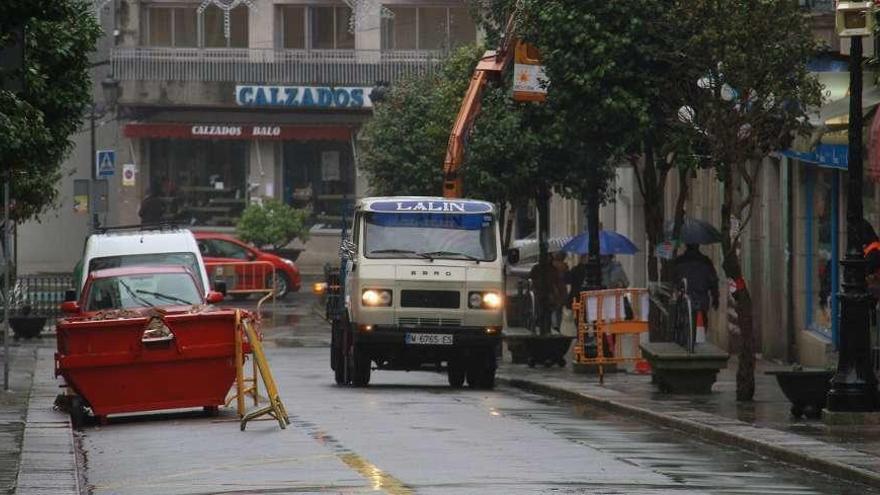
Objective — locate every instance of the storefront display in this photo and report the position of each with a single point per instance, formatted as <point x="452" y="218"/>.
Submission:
<point x="199" y="182"/>
<point x="319" y="175"/>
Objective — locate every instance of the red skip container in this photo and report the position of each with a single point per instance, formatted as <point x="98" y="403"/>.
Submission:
<point x="114" y="368"/>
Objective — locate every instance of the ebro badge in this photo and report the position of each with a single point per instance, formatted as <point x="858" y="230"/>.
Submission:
<point x="437" y="206"/>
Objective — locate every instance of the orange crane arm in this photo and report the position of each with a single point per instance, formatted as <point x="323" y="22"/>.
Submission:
<point x="492" y="64"/>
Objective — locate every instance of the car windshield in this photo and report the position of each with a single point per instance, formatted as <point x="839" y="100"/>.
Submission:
<point x="430" y="235"/>
<point x="187" y="260"/>
<point x="142" y="291"/>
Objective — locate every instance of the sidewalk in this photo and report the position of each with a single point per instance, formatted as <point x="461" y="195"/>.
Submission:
<point x="13" y="411"/>
<point x="37" y="454"/>
<point x="763" y="426"/>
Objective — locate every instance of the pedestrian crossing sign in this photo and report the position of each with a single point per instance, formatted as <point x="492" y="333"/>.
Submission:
<point x="105" y="162"/>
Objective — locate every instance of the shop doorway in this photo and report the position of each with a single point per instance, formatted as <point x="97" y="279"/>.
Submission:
<point x="319" y="175"/>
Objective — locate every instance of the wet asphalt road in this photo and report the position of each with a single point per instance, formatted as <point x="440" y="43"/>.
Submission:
<point x="409" y="433"/>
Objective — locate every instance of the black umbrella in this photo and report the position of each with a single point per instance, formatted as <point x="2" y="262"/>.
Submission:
<point x="694" y="231"/>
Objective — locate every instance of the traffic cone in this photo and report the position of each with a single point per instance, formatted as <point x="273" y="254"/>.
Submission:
<point x="700" y="337"/>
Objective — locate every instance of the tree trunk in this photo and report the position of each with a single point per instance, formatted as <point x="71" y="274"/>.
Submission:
<point x="745" y="373"/>
<point x="652" y="184"/>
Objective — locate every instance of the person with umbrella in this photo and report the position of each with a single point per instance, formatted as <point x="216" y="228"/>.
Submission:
<point x="698" y="273"/>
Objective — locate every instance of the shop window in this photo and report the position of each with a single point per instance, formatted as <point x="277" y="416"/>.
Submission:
<point x="330" y="28"/>
<point x="293" y="22"/>
<point x="214" y="27"/>
<point x="427" y="28"/>
<point x="819" y="238"/>
<point x="319" y="176"/>
<point x="170" y="26"/>
<point x="200" y="182"/>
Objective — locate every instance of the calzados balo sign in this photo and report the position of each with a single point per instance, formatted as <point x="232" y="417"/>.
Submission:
<point x="303" y="96"/>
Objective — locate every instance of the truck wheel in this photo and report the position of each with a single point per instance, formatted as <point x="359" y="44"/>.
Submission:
<point x="455" y="375"/>
<point x="361" y="372"/>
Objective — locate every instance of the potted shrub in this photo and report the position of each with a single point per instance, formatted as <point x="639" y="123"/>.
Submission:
<point x="24" y="323"/>
<point x="274" y="224"/>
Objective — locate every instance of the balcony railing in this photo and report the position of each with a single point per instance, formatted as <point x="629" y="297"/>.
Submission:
<point x="271" y="66"/>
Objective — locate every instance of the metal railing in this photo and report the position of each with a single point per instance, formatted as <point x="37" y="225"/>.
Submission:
<point x="269" y="65"/>
<point x="39" y="294"/>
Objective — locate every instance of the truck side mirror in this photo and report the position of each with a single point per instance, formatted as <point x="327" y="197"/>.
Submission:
<point x="513" y="256"/>
<point x="70" y="295"/>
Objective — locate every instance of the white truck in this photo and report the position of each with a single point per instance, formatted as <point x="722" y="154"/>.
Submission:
<point x="421" y="285"/>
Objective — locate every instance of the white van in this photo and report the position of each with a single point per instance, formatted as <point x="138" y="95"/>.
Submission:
<point x="128" y="247"/>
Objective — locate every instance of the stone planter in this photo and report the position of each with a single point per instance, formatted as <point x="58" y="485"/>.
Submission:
<point x="807" y="390"/>
<point x="27" y="327"/>
<point x="538" y="349"/>
<point x="679" y="372"/>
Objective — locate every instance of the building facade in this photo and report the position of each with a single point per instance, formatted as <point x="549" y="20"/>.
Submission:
<point x="220" y="107"/>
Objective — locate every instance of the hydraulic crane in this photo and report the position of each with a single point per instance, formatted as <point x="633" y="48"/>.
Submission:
<point x="492" y="64"/>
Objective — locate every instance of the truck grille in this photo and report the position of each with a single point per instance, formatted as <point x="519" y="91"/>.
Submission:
<point x="445" y="299"/>
<point x="415" y="321"/>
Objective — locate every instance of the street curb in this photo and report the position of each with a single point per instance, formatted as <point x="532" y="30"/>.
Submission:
<point x="705" y="432"/>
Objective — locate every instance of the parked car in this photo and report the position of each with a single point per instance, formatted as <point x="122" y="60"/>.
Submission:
<point x="140" y="288"/>
<point x="131" y="246"/>
<point x="224" y="248"/>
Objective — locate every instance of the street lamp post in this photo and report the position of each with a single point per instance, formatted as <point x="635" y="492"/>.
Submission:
<point x="854" y="385"/>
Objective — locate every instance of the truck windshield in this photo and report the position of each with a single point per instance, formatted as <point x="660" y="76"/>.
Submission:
<point x="187" y="260"/>
<point x="431" y="235"/>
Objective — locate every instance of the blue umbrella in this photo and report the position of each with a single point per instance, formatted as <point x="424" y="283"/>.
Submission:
<point x="609" y="243"/>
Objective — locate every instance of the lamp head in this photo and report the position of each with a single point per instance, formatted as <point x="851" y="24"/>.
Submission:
<point x="854" y="19"/>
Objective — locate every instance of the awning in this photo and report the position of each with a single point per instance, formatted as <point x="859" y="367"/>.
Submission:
<point x="274" y="132"/>
<point x="827" y="145"/>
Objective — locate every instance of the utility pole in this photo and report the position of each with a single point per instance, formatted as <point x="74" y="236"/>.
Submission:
<point x="854" y="386"/>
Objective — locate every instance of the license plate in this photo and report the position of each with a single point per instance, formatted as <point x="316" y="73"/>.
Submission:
<point x="428" y="339"/>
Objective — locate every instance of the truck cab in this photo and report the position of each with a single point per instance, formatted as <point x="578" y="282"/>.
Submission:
<point x="422" y="282"/>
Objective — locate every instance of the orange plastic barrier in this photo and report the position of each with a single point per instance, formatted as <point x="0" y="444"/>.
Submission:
<point x="612" y="318"/>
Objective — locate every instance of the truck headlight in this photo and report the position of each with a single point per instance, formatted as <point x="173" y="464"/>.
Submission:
<point x="376" y="297"/>
<point x="484" y="300"/>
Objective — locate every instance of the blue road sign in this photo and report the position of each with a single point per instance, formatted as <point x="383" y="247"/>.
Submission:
<point x="105" y="162"/>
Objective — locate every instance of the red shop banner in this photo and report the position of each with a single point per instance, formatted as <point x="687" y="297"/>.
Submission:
<point x="140" y="130"/>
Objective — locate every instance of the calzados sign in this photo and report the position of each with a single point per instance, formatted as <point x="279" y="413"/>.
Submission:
<point x="303" y="97"/>
<point x="235" y="131"/>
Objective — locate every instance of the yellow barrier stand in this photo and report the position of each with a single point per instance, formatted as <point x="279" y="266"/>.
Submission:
<point x="613" y="312"/>
<point x="275" y="408"/>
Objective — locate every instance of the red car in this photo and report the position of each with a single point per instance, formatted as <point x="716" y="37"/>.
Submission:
<point x="139" y="288"/>
<point x="223" y="248"/>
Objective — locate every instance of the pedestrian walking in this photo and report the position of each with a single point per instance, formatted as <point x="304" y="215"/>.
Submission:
<point x="545" y="285"/>
<point x="698" y="272"/>
<point x="152" y="209"/>
<point x="576" y="277"/>
<point x="562" y="288"/>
